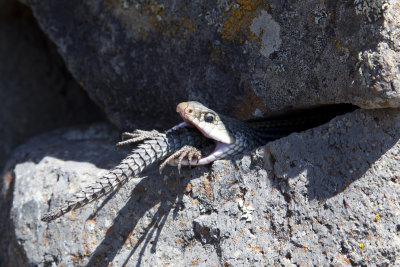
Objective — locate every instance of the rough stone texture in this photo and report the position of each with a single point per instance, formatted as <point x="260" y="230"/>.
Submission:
<point x="72" y="156"/>
<point x="138" y="58"/>
<point x="37" y="93"/>
<point x="328" y="196"/>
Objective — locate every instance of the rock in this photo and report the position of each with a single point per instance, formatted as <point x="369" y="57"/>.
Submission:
<point x="327" y="196"/>
<point x="37" y="93"/>
<point x="341" y="184"/>
<point x="138" y="59"/>
<point x="68" y="154"/>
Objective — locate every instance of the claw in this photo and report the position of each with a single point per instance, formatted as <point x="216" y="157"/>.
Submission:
<point x="127" y="135"/>
<point x="193" y="153"/>
<point x="136" y="136"/>
<point x="186" y="151"/>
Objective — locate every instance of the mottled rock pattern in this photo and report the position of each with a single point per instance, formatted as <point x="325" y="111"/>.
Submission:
<point x="327" y="196"/>
<point x="138" y="58"/>
<point x="37" y="92"/>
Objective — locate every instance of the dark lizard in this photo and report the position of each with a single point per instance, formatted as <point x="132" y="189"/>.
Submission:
<point x="181" y="144"/>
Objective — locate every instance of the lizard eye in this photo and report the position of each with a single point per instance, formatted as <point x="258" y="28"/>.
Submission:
<point x="209" y="117"/>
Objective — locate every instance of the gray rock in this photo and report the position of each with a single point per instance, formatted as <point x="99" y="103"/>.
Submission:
<point x="341" y="186"/>
<point x="72" y="153"/>
<point x="37" y="92"/>
<point x="327" y="196"/>
<point x="138" y="58"/>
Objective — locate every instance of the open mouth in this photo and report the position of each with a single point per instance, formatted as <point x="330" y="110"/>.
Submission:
<point x="211" y="154"/>
<point x="219" y="150"/>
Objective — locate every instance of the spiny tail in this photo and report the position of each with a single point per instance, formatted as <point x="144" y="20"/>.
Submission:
<point x="146" y="154"/>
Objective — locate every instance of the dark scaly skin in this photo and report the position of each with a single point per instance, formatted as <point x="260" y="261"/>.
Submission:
<point x="233" y="136"/>
<point x="157" y="147"/>
<point x="244" y="136"/>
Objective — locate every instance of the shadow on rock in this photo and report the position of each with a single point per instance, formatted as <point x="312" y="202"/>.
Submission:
<point x="149" y="193"/>
<point x="329" y="158"/>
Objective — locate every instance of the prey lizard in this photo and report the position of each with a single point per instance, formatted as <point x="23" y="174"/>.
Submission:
<point x="155" y="146"/>
<point x="182" y="144"/>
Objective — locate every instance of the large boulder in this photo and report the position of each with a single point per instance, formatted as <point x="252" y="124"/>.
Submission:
<point x="138" y="59"/>
<point x="327" y="196"/>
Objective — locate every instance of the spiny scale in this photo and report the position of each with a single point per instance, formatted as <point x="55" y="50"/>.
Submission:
<point x="151" y="150"/>
<point x="247" y="136"/>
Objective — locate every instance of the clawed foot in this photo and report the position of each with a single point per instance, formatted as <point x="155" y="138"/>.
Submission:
<point x="136" y="136"/>
<point x="186" y="151"/>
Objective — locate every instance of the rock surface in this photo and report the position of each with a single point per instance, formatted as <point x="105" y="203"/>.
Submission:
<point x="138" y="58"/>
<point x="37" y="92"/>
<point x="327" y="196"/>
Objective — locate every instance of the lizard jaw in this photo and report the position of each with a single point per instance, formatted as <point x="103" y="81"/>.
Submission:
<point x="193" y="113"/>
<point x="219" y="151"/>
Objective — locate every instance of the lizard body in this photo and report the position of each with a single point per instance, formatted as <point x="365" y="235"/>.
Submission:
<point x="180" y="145"/>
<point x="157" y="146"/>
<point x="232" y="136"/>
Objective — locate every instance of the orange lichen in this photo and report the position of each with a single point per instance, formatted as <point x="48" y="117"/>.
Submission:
<point x="189" y="187"/>
<point x="180" y="241"/>
<point x="7" y="179"/>
<point x="76" y="258"/>
<point x="195" y="262"/>
<point x="237" y="25"/>
<point x="207" y="187"/>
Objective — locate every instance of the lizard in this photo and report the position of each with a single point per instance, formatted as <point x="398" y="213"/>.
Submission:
<point x="182" y="144"/>
<point x="232" y="136"/>
<point x="174" y="143"/>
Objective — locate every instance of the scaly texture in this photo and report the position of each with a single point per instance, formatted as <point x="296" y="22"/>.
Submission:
<point x="157" y="147"/>
<point x="182" y="144"/>
<point x="233" y="136"/>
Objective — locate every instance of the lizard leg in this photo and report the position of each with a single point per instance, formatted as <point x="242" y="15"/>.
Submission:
<point x="136" y="136"/>
<point x="185" y="151"/>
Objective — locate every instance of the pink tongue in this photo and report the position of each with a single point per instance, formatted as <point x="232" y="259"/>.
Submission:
<point x="216" y="154"/>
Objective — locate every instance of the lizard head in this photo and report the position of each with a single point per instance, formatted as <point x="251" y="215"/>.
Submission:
<point x="213" y="126"/>
<point x="207" y="121"/>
